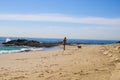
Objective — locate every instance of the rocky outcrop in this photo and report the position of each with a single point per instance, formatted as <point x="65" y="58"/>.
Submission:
<point x="118" y="42"/>
<point x="23" y="42"/>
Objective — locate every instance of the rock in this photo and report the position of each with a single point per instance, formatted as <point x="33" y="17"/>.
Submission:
<point x="23" y="42"/>
<point x="118" y="42"/>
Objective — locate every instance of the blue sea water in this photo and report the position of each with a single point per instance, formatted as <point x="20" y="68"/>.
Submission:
<point x="12" y="49"/>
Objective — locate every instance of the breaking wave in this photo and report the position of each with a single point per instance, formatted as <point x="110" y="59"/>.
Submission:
<point x="21" y="50"/>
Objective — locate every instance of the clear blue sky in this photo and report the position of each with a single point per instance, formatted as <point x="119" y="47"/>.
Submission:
<point x="82" y="19"/>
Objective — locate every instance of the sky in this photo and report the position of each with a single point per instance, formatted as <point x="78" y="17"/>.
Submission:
<point x="75" y="19"/>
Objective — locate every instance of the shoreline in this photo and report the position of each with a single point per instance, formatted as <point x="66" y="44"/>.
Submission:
<point x="30" y="49"/>
<point x="91" y="62"/>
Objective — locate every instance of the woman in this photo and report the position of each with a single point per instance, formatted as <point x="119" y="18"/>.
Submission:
<point x="64" y="42"/>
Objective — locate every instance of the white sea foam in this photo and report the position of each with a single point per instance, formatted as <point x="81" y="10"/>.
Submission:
<point x="21" y="50"/>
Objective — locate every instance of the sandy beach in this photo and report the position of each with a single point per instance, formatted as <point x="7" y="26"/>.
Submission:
<point x="91" y="62"/>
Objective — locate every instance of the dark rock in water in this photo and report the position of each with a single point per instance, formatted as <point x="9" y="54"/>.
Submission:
<point x="118" y="42"/>
<point x="23" y="42"/>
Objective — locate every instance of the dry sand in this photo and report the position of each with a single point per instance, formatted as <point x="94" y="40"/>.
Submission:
<point x="91" y="62"/>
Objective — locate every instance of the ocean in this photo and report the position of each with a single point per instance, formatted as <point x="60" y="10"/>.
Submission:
<point x="14" y="49"/>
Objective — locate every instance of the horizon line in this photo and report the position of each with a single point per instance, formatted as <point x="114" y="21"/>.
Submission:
<point x="54" y="38"/>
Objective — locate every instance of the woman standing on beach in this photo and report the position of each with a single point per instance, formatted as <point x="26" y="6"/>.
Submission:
<point x="64" y="43"/>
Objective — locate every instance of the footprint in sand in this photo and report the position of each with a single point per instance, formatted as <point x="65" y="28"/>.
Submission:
<point x="53" y="65"/>
<point x="18" y="78"/>
<point x="81" y="73"/>
<point x="22" y="59"/>
<point x="41" y="75"/>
